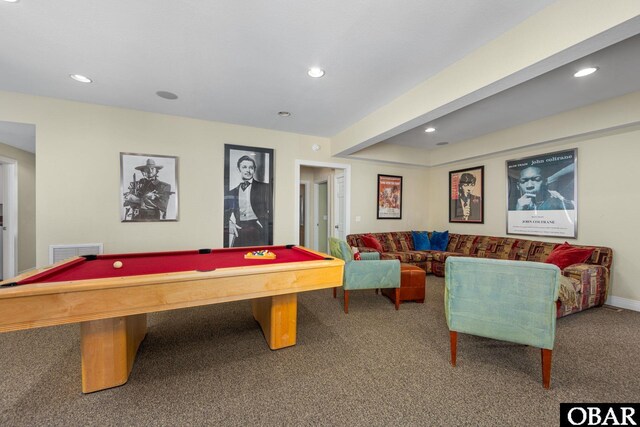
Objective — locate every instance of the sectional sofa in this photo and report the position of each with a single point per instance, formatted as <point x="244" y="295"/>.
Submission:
<point x="583" y="286"/>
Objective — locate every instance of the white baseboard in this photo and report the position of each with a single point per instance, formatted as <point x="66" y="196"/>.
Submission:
<point x="626" y="303"/>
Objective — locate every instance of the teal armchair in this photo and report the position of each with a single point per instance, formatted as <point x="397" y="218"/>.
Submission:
<point x="368" y="273"/>
<point x="511" y="301"/>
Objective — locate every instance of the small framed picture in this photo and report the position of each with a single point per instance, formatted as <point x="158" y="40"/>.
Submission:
<point x="389" y="197"/>
<point x="148" y="187"/>
<point x="466" y="195"/>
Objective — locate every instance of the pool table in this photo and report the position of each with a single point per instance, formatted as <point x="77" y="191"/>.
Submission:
<point x="111" y="304"/>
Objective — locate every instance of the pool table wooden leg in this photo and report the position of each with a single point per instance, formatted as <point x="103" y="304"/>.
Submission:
<point x="109" y="348"/>
<point x="277" y="316"/>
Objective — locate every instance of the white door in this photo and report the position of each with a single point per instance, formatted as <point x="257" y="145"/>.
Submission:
<point x="339" y="210"/>
<point x="9" y="171"/>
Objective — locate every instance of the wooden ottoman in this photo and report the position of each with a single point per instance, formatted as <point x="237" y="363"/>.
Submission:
<point x="412" y="284"/>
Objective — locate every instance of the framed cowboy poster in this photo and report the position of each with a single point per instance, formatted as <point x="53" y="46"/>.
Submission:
<point x="466" y="195"/>
<point x="148" y="187"/>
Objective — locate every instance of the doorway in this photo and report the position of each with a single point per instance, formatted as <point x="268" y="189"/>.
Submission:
<point x="303" y="214"/>
<point x="329" y="185"/>
<point x="321" y="217"/>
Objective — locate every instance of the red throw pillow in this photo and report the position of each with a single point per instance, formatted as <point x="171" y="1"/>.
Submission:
<point x="565" y="255"/>
<point x="371" y="242"/>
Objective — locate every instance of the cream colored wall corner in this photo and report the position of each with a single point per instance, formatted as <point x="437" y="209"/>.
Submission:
<point x="78" y="179"/>
<point x="607" y="165"/>
<point x="26" y="164"/>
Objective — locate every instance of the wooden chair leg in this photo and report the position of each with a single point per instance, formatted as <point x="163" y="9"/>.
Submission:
<point x="546" y="367"/>
<point x="397" y="298"/>
<point x="335" y="292"/>
<point x="346" y="301"/>
<point x="376" y="291"/>
<point x="453" y="336"/>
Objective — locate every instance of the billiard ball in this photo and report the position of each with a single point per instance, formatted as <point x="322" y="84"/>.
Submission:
<point x="117" y="264"/>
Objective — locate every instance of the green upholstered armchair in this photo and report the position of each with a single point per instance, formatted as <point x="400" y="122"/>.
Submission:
<point x="368" y="273"/>
<point x="511" y="301"/>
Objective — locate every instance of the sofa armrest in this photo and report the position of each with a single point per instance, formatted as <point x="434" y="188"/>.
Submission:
<point x="372" y="274"/>
<point x="370" y="256"/>
<point x="597" y="273"/>
<point x="592" y="286"/>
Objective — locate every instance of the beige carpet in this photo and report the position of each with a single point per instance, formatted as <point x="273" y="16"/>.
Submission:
<point x="374" y="366"/>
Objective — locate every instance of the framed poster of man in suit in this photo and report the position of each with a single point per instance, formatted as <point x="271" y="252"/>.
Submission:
<point x="466" y="195"/>
<point x="248" y="196"/>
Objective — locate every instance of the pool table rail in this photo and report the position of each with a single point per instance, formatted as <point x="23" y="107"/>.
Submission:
<point x="57" y="303"/>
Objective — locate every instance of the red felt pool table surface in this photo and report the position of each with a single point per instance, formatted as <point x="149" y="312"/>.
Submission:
<point x="111" y="304"/>
<point x="137" y="264"/>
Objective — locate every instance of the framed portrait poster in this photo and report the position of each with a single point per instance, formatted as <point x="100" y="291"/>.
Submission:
<point x="389" y="197"/>
<point x="248" y="196"/>
<point x="542" y="195"/>
<point x="466" y="195"/>
<point x="148" y="187"/>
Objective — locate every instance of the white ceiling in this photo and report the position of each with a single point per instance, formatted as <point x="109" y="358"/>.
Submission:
<point x="243" y="61"/>
<point x="20" y="135"/>
<point x="551" y="93"/>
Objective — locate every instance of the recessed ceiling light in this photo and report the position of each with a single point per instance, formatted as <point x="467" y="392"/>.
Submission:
<point x="430" y="129"/>
<point x="80" y="78"/>
<point x="12" y="1"/>
<point x="284" y="114"/>
<point x="586" y="72"/>
<point x="442" y="143"/>
<point x="315" y="72"/>
<point x="167" y="95"/>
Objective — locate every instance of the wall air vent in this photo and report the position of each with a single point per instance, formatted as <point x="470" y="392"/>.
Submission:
<point x="61" y="252"/>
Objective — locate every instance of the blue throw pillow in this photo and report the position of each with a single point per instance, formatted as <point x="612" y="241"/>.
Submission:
<point x="439" y="241"/>
<point x="421" y="240"/>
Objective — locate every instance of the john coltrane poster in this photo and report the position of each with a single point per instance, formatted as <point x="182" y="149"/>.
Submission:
<point x="542" y="195"/>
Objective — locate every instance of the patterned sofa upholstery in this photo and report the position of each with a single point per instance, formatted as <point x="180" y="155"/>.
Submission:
<point x="583" y="285"/>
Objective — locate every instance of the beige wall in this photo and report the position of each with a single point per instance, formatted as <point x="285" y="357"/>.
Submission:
<point x="415" y="197"/>
<point x="78" y="183"/>
<point x="26" y="204"/>
<point x="607" y="165"/>
<point x="364" y="177"/>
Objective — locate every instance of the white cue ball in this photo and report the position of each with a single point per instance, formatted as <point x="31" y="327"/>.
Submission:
<point x="117" y="264"/>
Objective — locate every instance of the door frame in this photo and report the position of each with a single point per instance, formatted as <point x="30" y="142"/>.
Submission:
<point x="10" y="217"/>
<point x="316" y="213"/>
<point x="346" y="168"/>
<point x="307" y="190"/>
